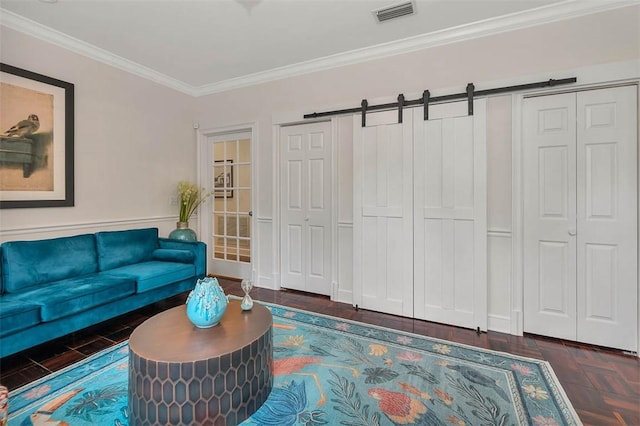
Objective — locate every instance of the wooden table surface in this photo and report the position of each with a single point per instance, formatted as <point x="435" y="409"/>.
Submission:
<point x="171" y="337"/>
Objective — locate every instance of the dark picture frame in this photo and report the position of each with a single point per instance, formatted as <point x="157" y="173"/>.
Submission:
<point x="49" y="148"/>
<point x="222" y="181"/>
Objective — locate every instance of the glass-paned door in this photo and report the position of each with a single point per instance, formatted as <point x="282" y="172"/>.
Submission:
<point x="230" y="216"/>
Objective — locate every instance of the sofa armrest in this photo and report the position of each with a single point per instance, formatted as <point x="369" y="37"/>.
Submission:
<point x="198" y="248"/>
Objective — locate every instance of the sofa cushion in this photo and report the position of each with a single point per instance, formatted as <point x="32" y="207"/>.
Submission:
<point x="16" y="315"/>
<point x="28" y="264"/>
<point x="73" y="295"/>
<point x="172" y="255"/>
<point x="120" y="248"/>
<point x="154" y="274"/>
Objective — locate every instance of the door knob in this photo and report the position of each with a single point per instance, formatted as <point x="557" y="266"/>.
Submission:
<point x="306" y="219"/>
<point x="572" y="232"/>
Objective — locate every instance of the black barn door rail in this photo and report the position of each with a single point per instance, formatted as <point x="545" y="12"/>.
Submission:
<point x="427" y="99"/>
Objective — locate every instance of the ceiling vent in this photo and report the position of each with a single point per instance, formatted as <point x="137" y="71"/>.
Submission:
<point x="395" y="11"/>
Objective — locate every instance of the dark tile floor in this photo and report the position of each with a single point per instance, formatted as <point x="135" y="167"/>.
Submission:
<point x="602" y="384"/>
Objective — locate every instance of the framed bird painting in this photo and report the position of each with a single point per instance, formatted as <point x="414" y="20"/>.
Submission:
<point x="36" y="140"/>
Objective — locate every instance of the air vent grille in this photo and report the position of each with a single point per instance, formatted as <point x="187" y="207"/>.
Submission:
<point x="395" y="11"/>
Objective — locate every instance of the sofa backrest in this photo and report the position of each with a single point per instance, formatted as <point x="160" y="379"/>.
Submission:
<point x="27" y="264"/>
<point x="120" y="248"/>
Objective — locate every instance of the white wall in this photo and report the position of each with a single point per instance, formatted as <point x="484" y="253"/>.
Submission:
<point x="343" y="286"/>
<point x="554" y="50"/>
<point x="134" y="140"/>
<point x="499" y="238"/>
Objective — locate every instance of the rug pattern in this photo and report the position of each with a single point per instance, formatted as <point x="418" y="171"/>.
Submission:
<point x="336" y="372"/>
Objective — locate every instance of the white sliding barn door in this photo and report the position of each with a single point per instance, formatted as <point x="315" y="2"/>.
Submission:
<point x="450" y="209"/>
<point x="580" y="204"/>
<point x="305" y="206"/>
<point x="382" y="210"/>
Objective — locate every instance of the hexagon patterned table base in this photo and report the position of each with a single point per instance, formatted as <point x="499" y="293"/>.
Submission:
<point x="180" y="374"/>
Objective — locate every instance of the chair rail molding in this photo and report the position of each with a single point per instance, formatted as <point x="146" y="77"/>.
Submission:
<point x="88" y="226"/>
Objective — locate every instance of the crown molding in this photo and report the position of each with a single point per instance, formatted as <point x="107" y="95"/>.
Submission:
<point x="19" y="23"/>
<point x="543" y="15"/>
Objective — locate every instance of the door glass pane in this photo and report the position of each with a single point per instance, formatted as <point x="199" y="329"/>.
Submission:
<point x="244" y="226"/>
<point x="243" y="176"/>
<point x="222" y="179"/>
<point x="244" y="151"/>
<point x="232" y="225"/>
<point x="232" y="202"/>
<point x="231" y="153"/>
<point x="218" y="224"/>
<point x="232" y="249"/>
<point x="244" y="249"/>
<point x="244" y="200"/>
<point x="218" y="251"/>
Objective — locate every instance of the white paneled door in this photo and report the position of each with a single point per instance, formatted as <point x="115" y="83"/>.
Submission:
<point x="305" y="206"/>
<point x="450" y="210"/>
<point x="420" y="214"/>
<point x="580" y="204"/>
<point x="549" y="138"/>
<point x="382" y="210"/>
<point x="227" y="171"/>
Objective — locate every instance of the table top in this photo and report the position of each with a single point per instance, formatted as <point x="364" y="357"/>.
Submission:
<point x="171" y="337"/>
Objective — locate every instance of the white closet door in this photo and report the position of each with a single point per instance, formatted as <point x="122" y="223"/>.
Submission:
<point x="549" y="139"/>
<point x="383" y="243"/>
<point x="305" y="201"/>
<point x="450" y="227"/>
<point x="607" y="217"/>
<point x="580" y="203"/>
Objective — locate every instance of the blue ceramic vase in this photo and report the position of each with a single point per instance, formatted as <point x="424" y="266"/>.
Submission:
<point x="206" y="303"/>
<point x="182" y="232"/>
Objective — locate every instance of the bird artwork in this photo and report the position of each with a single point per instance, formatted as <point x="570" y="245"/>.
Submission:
<point x="42" y="417"/>
<point x="24" y="127"/>
<point x="293" y="365"/>
<point x="403" y="410"/>
<point x="478" y="378"/>
<point x="285" y="407"/>
<point x="414" y="390"/>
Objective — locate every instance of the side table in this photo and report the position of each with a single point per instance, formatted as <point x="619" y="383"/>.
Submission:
<point x="181" y="374"/>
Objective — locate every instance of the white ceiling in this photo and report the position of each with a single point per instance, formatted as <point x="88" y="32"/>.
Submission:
<point x="210" y="45"/>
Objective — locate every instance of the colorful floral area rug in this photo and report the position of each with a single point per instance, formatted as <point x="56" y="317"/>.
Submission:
<point x="336" y="372"/>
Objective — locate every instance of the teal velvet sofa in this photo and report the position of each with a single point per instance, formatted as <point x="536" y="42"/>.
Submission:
<point x="52" y="287"/>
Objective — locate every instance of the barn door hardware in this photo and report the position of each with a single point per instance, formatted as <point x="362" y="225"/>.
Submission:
<point x="400" y="105"/>
<point x="426" y="99"/>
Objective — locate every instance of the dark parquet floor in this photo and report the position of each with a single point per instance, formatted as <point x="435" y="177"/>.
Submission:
<point x="602" y="384"/>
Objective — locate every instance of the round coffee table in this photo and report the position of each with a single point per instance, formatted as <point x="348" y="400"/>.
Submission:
<point x="181" y="374"/>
